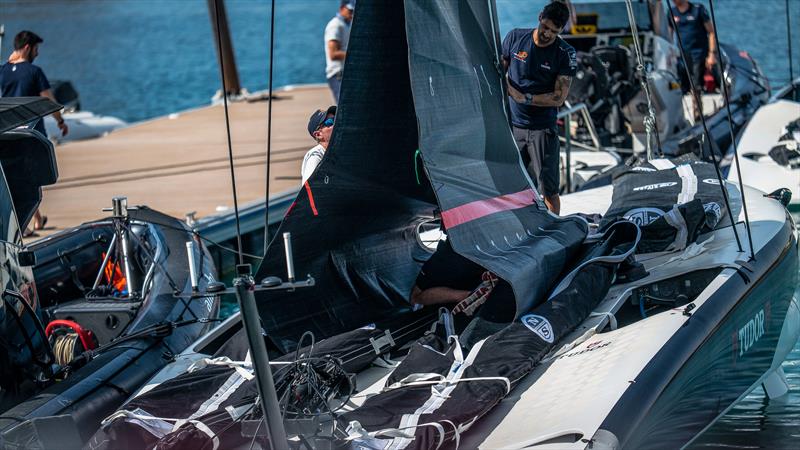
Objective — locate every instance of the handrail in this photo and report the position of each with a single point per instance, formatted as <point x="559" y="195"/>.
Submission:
<point x="793" y="87"/>
<point x="584" y="110"/>
<point x="566" y="114"/>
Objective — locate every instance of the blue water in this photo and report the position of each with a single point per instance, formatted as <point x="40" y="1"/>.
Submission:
<point x="138" y="59"/>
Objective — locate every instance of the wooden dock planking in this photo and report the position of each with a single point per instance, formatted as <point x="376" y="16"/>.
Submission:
<point x="179" y="163"/>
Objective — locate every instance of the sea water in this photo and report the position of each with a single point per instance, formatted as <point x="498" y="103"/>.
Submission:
<point x="139" y="59"/>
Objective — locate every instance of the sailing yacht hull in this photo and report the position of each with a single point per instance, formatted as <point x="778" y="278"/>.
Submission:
<point x="661" y="381"/>
<point x="727" y="348"/>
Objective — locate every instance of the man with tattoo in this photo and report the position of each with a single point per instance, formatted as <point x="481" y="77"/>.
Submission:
<point x="540" y="66"/>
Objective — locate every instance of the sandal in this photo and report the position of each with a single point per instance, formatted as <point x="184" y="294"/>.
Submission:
<point x="41" y="225"/>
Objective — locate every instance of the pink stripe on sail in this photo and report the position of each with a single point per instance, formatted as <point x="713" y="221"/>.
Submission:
<point x="481" y="208"/>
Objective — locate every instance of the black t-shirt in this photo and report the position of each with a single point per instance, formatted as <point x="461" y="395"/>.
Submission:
<point x="533" y="70"/>
<point x="23" y="80"/>
<point x="446" y="268"/>
<point x="692" y="28"/>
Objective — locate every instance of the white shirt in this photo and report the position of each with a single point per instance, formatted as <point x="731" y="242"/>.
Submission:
<point x="336" y="30"/>
<point x="311" y="161"/>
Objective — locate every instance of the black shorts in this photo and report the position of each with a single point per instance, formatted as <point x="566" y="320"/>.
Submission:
<point x="697" y="69"/>
<point x="539" y="150"/>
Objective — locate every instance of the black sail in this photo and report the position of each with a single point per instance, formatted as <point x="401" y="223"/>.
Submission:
<point x="418" y="75"/>
<point x="492" y="214"/>
<point x="353" y="223"/>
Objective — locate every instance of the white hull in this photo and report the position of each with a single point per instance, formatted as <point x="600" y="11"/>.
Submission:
<point x="761" y="134"/>
<point x="82" y="125"/>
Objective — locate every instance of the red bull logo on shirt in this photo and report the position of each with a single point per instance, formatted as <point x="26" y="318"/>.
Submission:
<point x="521" y="55"/>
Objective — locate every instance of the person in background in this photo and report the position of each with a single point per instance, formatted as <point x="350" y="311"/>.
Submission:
<point x="337" y="35"/>
<point x="320" y="127"/>
<point x="699" y="43"/>
<point x="540" y="66"/>
<point x="21" y="78"/>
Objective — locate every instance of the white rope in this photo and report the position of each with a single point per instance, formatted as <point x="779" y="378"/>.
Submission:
<point x="650" y="119"/>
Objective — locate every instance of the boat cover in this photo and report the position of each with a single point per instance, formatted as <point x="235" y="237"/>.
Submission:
<point x="787" y="151"/>
<point x="440" y="389"/>
<point x="673" y="201"/>
<point x="353" y="222"/>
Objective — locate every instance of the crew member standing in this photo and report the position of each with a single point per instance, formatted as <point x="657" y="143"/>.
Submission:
<point x="21" y="78"/>
<point x="337" y="35"/>
<point x="697" y="36"/>
<point x="540" y="66"/>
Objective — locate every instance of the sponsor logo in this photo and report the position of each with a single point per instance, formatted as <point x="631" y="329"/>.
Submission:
<point x="713" y="181"/>
<point x="521" y="55"/>
<point x="589" y="348"/>
<point x="540" y="326"/>
<point x="545" y="65"/>
<point x="573" y="59"/>
<point x="751" y="332"/>
<point x="643" y="216"/>
<point x="652" y="187"/>
<point x="642" y="169"/>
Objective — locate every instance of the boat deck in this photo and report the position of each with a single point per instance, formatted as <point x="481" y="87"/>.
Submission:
<point x="179" y="163"/>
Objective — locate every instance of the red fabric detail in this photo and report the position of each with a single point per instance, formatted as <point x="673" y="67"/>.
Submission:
<point x="481" y="208"/>
<point x="311" y="199"/>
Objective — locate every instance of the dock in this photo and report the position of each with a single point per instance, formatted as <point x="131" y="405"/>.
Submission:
<point x="178" y="164"/>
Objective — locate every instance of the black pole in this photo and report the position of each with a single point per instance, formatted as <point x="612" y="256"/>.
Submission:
<point x="224" y="46"/>
<point x="245" y="287"/>
<point x="269" y="123"/>
<point x="228" y="131"/>
<point x="789" y="42"/>
<point x="733" y="135"/>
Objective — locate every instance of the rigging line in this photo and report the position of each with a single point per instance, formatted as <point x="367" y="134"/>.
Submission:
<point x="269" y="123"/>
<point x="697" y="99"/>
<point x="228" y="131"/>
<point x="650" y="123"/>
<point x="789" y="42"/>
<point x="733" y="135"/>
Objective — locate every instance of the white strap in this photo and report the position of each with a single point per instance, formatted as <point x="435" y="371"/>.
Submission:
<point x="688" y="183"/>
<point x="661" y="163"/>
<point x="612" y="319"/>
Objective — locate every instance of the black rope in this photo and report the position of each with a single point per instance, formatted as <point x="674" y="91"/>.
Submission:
<point x="733" y="135"/>
<point x="789" y="42"/>
<point x="269" y="123"/>
<point x="697" y="99"/>
<point x="228" y="131"/>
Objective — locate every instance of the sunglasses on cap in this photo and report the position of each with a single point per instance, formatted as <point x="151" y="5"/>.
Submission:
<point x="327" y="123"/>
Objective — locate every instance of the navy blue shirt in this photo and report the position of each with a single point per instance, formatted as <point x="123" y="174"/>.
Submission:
<point x="692" y="29"/>
<point x="23" y="80"/>
<point x="533" y="70"/>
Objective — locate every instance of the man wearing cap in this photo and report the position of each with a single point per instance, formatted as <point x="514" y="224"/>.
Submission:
<point x="337" y="35"/>
<point x="320" y="127"/>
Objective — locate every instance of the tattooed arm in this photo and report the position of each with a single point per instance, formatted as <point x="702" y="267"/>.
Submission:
<point x="555" y="98"/>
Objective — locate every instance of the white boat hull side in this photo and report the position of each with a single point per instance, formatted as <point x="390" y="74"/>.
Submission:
<point x="761" y="134"/>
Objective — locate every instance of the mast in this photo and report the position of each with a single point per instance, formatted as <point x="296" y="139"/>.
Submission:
<point x="224" y="46"/>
